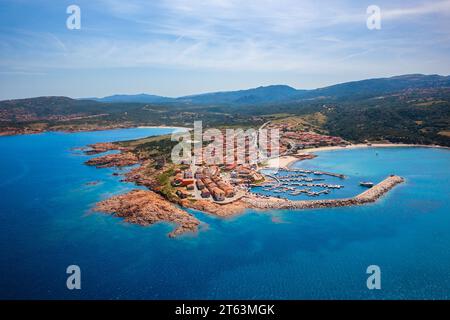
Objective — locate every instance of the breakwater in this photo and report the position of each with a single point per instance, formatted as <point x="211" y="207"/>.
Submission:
<point x="371" y="195"/>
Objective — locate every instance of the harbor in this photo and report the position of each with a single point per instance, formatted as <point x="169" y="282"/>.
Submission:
<point x="286" y="183"/>
<point x="368" y="196"/>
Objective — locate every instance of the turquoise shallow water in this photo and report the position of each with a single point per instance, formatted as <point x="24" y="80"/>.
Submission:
<point x="46" y="225"/>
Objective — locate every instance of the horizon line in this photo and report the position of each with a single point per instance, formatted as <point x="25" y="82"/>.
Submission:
<point x="225" y="91"/>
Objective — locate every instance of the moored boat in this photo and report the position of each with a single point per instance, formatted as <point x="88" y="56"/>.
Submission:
<point x="366" y="184"/>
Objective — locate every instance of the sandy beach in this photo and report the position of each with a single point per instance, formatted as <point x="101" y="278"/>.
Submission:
<point x="165" y="127"/>
<point x="374" y="145"/>
<point x="286" y="161"/>
<point x="281" y="162"/>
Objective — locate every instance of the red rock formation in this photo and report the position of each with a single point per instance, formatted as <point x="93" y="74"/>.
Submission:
<point x="221" y="210"/>
<point x="102" y="147"/>
<point x="146" y="208"/>
<point x="122" y="159"/>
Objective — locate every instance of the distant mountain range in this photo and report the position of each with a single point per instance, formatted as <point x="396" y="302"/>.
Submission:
<point x="249" y="96"/>
<point x="267" y="94"/>
<point x="136" y="98"/>
<point x="408" y="109"/>
<point x="284" y="93"/>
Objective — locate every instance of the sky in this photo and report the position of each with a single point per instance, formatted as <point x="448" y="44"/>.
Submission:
<point x="181" y="47"/>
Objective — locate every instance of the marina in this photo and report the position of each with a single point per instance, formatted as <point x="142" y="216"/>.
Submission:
<point x="287" y="183"/>
<point x="315" y="172"/>
<point x="368" y="196"/>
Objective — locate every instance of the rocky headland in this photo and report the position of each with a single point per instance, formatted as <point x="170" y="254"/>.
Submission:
<point x="145" y="207"/>
<point x="220" y="210"/>
<point x="123" y="158"/>
<point x="154" y="205"/>
<point x="114" y="160"/>
<point x="101" y="148"/>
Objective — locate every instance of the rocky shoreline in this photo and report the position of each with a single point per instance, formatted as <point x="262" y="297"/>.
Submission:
<point x="101" y="147"/>
<point x="220" y="210"/>
<point x="26" y="130"/>
<point x="122" y="159"/>
<point x="145" y="207"/>
<point x="44" y="128"/>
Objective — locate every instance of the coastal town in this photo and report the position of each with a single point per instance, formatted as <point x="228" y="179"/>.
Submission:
<point x="225" y="188"/>
<point x="232" y="180"/>
<point x="236" y="172"/>
<point x="224" y="158"/>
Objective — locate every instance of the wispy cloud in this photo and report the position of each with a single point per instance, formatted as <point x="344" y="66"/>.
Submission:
<point x="426" y="8"/>
<point x="291" y="36"/>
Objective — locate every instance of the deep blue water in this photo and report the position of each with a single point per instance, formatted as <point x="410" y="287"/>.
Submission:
<point x="46" y="225"/>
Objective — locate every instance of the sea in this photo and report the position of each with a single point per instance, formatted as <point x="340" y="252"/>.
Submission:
<point x="47" y="224"/>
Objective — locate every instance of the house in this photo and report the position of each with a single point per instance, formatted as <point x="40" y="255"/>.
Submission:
<point x="198" y="174"/>
<point x="229" y="192"/>
<point x="177" y="180"/>
<point x="200" y="185"/>
<point x="188" y="175"/>
<point x="181" y="194"/>
<point x="218" y="194"/>
<point x="186" y="182"/>
<point x="205" y="193"/>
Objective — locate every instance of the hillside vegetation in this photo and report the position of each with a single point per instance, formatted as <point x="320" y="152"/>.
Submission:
<point x="408" y="109"/>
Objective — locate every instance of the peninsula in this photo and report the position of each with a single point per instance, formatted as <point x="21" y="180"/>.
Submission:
<point x="221" y="190"/>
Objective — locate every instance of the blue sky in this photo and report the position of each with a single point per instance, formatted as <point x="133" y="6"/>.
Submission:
<point x="178" y="47"/>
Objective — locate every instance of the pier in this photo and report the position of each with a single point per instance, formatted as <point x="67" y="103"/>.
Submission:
<point x="315" y="172"/>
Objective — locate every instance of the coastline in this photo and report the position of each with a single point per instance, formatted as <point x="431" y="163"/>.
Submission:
<point x="135" y="207"/>
<point x="163" y="127"/>
<point x="76" y="130"/>
<point x="147" y="207"/>
<point x="288" y="161"/>
<point x="369" y="196"/>
<point x="374" y="145"/>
